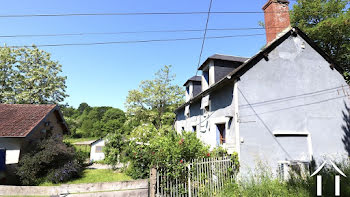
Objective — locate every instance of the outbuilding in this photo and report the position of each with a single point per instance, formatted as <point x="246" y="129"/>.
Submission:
<point x="96" y="151"/>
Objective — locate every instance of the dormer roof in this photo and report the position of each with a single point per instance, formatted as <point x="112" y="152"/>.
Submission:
<point x="194" y="78"/>
<point x="223" y="57"/>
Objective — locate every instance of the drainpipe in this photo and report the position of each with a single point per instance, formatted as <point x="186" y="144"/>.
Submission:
<point x="236" y="116"/>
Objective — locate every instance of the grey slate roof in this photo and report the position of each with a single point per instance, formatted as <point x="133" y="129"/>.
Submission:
<point x="194" y="78"/>
<point x="223" y="57"/>
<point x="235" y="74"/>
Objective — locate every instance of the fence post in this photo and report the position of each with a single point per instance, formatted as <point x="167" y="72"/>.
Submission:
<point x="152" y="180"/>
<point x="189" y="180"/>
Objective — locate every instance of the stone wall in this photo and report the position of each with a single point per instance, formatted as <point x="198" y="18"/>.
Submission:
<point x="75" y="188"/>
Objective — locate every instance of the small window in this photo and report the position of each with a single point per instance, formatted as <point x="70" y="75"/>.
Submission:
<point x="98" y="149"/>
<point x="206" y="109"/>
<point x="221" y="133"/>
<point x="182" y="128"/>
<point x="194" y="128"/>
<point x="206" y="76"/>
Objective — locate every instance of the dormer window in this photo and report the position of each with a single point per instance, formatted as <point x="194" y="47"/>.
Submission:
<point x="216" y="67"/>
<point x="205" y="80"/>
<point x="193" y="87"/>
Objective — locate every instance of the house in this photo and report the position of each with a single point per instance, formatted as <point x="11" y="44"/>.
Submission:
<point x="289" y="103"/>
<point x="23" y="124"/>
<point x="96" y="151"/>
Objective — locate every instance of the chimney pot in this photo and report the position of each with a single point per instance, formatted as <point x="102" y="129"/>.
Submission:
<point x="276" y="18"/>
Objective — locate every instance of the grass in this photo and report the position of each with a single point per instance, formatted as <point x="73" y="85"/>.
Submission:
<point x="83" y="148"/>
<point x="74" y="140"/>
<point x="96" y="176"/>
<point x="263" y="183"/>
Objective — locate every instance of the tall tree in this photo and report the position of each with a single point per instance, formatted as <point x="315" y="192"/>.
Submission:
<point x="327" y="22"/>
<point x="8" y="74"/>
<point x="155" y="100"/>
<point x="28" y="75"/>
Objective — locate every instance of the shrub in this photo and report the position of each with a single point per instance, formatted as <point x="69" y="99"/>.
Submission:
<point x="170" y="151"/>
<point x="114" y="146"/>
<point x="50" y="160"/>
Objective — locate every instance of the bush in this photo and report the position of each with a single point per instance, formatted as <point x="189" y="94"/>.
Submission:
<point x="50" y="160"/>
<point x="114" y="146"/>
<point x="170" y="151"/>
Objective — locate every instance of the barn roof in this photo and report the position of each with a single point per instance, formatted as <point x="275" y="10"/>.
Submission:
<point x="18" y="120"/>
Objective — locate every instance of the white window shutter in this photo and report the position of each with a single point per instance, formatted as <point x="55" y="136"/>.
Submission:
<point x="205" y="102"/>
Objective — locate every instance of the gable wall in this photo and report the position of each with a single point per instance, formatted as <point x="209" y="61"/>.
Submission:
<point x="291" y="71"/>
<point x="55" y="128"/>
<point x="97" y="156"/>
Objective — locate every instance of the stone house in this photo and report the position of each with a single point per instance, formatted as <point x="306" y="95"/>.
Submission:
<point x="286" y="105"/>
<point x="23" y="124"/>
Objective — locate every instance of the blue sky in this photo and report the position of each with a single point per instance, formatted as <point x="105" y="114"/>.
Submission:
<point x="103" y="75"/>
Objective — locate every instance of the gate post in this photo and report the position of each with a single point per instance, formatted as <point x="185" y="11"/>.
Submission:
<point x="152" y="182"/>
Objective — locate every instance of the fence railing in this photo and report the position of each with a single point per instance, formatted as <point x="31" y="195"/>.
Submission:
<point x="201" y="177"/>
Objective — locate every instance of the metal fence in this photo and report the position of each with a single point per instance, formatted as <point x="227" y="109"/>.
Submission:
<point x="201" y="177"/>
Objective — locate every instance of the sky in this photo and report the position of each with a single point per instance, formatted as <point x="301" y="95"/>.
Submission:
<point x="102" y="75"/>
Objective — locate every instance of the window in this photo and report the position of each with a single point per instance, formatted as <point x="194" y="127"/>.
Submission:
<point x="98" y="149"/>
<point x="182" y="128"/>
<point x="205" y="104"/>
<point x="194" y="128"/>
<point x="221" y="133"/>
<point x="206" y="76"/>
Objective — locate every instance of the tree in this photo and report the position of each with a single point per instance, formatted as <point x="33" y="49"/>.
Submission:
<point x="155" y="100"/>
<point x="327" y="22"/>
<point x="28" y="75"/>
<point x="83" y="107"/>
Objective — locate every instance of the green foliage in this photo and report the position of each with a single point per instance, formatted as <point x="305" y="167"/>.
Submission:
<point x="170" y="151"/>
<point x="327" y="23"/>
<point x="218" y="152"/>
<point x="50" y="160"/>
<point x="328" y="173"/>
<point x="114" y="147"/>
<point x="97" y="122"/>
<point x="262" y="184"/>
<point x="155" y="100"/>
<point x="28" y="75"/>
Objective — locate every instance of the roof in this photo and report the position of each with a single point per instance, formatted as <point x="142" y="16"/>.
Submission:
<point x="235" y="74"/>
<point x="194" y="78"/>
<point x="94" y="142"/>
<point x="18" y="120"/>
<point x="223" y="57"/>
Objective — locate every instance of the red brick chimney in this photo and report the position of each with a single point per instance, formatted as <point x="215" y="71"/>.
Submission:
<point x="276" y="18"/>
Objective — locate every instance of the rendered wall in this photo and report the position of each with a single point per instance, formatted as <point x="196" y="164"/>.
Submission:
<point x="95" y="156"/>
<point x="294" y="91"/>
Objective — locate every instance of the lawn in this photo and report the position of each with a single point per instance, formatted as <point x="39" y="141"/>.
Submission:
<point x="74" y="140"/>
<point x="96" y="176"/>
<point x="83" y="148"/>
